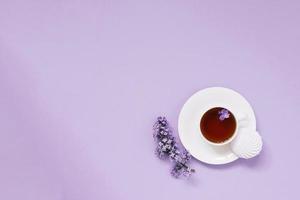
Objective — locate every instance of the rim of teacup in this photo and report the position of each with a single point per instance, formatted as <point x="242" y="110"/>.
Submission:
<point x="235" y="131"/>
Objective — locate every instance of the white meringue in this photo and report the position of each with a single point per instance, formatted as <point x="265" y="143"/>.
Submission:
<point x="247" y="144"/>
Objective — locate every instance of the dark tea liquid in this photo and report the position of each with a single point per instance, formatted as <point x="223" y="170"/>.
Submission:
<point x="218" y="125"/>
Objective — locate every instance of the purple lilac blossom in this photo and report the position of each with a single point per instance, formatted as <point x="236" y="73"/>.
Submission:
<point x="168" y="148"/>
<point x="224" y="114"/>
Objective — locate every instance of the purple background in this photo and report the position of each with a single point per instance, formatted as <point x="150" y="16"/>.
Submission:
<point x="81" y="83"/>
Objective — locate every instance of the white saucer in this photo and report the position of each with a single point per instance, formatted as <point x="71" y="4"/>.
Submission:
<point x="189" y="123"/>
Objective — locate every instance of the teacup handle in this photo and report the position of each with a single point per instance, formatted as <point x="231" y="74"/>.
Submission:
<point x="242" y="120"/>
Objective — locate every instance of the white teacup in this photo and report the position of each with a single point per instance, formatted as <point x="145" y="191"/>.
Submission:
<point x="245" y="142"/>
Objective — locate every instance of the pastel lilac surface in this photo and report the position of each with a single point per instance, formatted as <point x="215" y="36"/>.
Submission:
<point x="81" y="83"/>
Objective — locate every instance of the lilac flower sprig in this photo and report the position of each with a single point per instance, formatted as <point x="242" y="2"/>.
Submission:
<point x="224" y="114"/>
<point x="168" y="148"/>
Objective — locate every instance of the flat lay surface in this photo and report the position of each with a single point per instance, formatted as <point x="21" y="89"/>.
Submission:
<point x="82" y="82"/>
